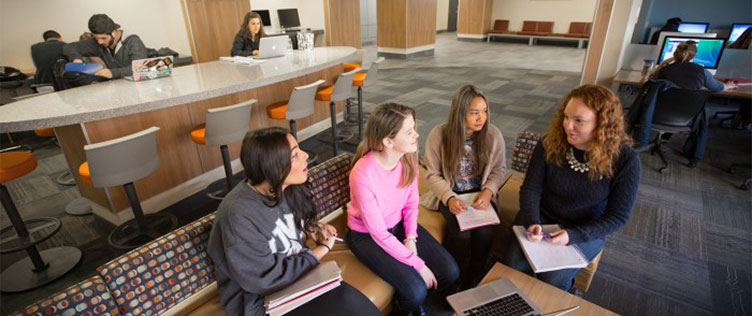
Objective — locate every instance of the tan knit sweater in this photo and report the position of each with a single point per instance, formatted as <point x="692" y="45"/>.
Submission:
<point x="441" y="183"/>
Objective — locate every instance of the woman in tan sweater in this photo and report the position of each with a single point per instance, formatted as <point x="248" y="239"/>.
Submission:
<point x="462" y="156"/>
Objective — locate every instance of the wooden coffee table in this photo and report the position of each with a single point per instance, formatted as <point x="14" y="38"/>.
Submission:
<point x="546" y="297"/>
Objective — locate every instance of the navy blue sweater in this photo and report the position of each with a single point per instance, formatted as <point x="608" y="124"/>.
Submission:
<point x="587" y="209"/>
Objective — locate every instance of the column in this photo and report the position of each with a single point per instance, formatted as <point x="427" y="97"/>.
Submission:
<point x="406" y="28"/>
<point x="474" y="19"/>
<point x="342" y="22"/>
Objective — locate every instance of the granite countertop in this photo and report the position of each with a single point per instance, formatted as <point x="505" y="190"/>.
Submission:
<point x="187" y="84"/>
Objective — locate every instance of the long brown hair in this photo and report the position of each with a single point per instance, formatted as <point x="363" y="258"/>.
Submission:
<point x="609" y="132"/>
<point x="245" y="32"/>
<point x="453" y="132"/>
<point x="685" y="52"/>
<point x="386" y="121"/>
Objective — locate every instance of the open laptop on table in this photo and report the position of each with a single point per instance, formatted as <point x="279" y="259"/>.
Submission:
<point x="497" y="298"/>
<point x="273" y="46"/>
<point x="150" y="68"/>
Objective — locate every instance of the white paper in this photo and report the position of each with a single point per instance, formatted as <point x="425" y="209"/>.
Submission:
<point x="544" y="256"/>
<point x="291" y="305"/>
<point x="241" y="60"/>
<point x="322" y="274"/>
<point x="472" y="217"/>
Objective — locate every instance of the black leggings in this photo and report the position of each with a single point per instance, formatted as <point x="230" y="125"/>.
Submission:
<point x="343" y="300"/>
<point x="471" y="248"/>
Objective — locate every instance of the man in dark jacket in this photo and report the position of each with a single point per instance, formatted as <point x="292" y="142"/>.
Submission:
<point x="672" y="25"/>
<point x="44" y="54"/>
<point x="116" y="47"/>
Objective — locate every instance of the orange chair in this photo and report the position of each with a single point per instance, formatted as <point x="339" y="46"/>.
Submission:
<point x="340" y="91"/>
<point x="41" y="267"/>
<point x="299" y="105"/>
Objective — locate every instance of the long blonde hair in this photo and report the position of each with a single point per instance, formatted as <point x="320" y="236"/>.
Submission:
<point x="453" y="132"/>
<point x="609" y="132"/>
<point x="386" y="121"/>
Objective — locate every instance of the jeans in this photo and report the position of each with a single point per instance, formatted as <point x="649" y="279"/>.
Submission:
<point x="471" y="248"/>
<point x="563" y="279"/>
<point x="409" y="287"/>
<point x="343" y="300"/>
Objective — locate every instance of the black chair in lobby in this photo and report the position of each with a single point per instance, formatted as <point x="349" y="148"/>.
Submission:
<point x="122" y="161"/>
<point x="40" y="267"/>
<point x="223" y="126"/>
<point x="675" y="112"/>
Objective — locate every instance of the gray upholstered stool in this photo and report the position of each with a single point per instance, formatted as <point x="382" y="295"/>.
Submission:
<point x="122" y="161"/>
<point x="299" y="105"/>
<point x="340" y="91"/>
<point x="361" y="80"/>
<point x="223" y="126"/>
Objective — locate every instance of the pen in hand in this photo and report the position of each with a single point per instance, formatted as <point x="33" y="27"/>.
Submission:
<point x="544" y="235"/>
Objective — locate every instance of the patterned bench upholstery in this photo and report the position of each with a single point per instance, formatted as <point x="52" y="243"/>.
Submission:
<point x="88" y="297"/>
<point x="523" y="150"/>
<point x="156" y="276"/>
<point x="330" y="184"/>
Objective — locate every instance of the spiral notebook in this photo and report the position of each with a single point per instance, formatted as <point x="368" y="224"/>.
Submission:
<point x="473" y="217"/>
<point x="544" y="256"/>
<point x="323" y="278"/>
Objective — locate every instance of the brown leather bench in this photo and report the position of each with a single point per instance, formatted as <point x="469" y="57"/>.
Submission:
<point x="500" y="27"/>
<point x="540" y="28"/>
<point x="579" y="30"/>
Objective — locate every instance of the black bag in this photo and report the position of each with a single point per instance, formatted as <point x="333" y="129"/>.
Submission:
<point x="11" y="74"/>
<point x="74" y="79"/>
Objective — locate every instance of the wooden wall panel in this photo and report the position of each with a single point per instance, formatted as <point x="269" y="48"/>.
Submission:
<point x="597" y="43"/>
<point x="470" y="17"/>
<point x="391" y="23"/>
<point x="72" y="142"/>
<point x="487" y="21"/>
<point x="342" y="22"/>
<point x="214" y="24"/>
<point x="421" y="22"/>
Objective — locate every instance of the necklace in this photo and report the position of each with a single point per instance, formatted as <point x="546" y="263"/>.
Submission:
<point x="574" y="164"/>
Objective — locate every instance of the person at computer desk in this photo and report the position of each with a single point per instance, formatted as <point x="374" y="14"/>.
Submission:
<point x="116" y="47"/>
<point x="256" y="244"/>
<point x="682" y="72"/>
<point x="462" y="156"/>
<point x="672" y="25"/>
<point x="583" y="175"/>
<point x="45" y="54"/>
<point x="249" y="36"/>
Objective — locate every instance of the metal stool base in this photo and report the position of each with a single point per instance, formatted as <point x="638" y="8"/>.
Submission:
<point x="342" y="136"/>
<point x="19" y="276"/>
<point x="66" y="178"/>
<point x="78" y="207"/>
<point x="129" y="235"/>
<point x="13" y="244"/>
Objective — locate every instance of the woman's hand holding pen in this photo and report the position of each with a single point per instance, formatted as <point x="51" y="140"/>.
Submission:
<point x="324" y="236"/>
<point x="456" y="206"/>
<point x="534" y="233"/>
<point x="559" y="237"/>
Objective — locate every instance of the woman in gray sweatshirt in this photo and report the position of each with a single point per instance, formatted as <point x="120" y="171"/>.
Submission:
<point x="256" y="242"/>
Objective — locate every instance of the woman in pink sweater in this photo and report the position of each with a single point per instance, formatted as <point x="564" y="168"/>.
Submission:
<point x="383" y="216"/>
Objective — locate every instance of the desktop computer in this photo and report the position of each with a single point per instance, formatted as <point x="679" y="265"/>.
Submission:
<point x="266" y="20"/>
<point x="736" y="30"/>
<point x="288" y="18"/>
<point x="693" y="27"/>
<point x="709" y="50"/>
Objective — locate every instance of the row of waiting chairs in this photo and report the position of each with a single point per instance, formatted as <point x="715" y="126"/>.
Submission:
<point x="543" y="28"/>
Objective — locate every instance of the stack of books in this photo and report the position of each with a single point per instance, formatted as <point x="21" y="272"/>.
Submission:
<point x="323" y="278"/>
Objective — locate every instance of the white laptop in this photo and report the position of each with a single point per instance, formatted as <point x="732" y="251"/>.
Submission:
<point x="273" y="46"/>
<point x="150" y="68"/>
<point x="497" y="298"/>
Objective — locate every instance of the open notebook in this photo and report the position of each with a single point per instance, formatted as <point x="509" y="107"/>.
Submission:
<point x="544" y="256"/>
<point x="323" y="278"/>
<point x="473" y="217"/>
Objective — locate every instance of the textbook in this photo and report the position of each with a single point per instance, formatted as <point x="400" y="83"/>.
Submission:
<point x="544" y="256"/>
<point x="89" y="68"/>
<point x="473" y="217"/>
<point x="321" y="279"/>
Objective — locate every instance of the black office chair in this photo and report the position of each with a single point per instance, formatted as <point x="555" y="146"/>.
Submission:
<point x="675" y="112"/>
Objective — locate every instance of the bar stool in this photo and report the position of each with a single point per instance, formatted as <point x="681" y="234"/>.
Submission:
<point x="360" y="80"/>
<point x="340" y="91"/>
<point x="223" y="126"/>
<point x="120" y="162"/>
<point x="40" y="267"/>
<point x="80" y="205"/>
<point x="299" y="105"/>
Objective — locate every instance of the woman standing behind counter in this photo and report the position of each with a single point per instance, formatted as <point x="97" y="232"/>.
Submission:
<point x="249" y="36"/>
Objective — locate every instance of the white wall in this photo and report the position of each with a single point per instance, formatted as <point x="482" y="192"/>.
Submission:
<point x="442" y="14"/>
<point x="22" y="23"/>
<point x="311" y="12"/>
<point x="367" y="22"/>
<point x="558" y="11"/>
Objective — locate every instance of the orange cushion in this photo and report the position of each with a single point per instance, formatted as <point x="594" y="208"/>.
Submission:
<point x="324" y="93"/>
<point x="277" y="110"/>
<point x="198" y="133"/>
<point x="358" y="79"/>
<point x="15" y="164"/>
<point x="44" y="132"/>
<point x="83" y="172"/>
<point x="351" y="66"/>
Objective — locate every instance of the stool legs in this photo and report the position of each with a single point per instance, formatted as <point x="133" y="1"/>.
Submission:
<point x="294" y="131"/>
<point x="39" y="268"/>
<point x="228" y="166"/>
<point x="333" y="109"/>
<point x="360" y="113"/>
<point x="142" y="228"/>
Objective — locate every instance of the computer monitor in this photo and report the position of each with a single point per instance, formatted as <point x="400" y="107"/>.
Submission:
<point x="709" y="50"/>
<point x="662" y="39"/>
<point x="288" y="18"/>
<point x="693" y="27"/>
<point x="266" y="20"/>
<point x="736" y="30"/>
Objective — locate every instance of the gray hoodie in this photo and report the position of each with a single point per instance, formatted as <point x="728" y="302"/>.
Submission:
<point x="256" y="250"/>
<point x="129" y="48"/>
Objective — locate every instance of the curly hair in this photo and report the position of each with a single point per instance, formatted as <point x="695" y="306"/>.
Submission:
<point x="609" y="134"/>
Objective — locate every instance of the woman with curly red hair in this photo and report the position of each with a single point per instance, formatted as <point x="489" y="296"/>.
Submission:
<point x="583" y="176"/>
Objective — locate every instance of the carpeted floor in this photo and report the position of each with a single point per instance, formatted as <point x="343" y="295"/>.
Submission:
<point x="687" y="249"/>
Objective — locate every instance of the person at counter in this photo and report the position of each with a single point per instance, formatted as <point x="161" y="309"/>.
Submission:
<point x="44" y="54"/>
<point x="116" y="47"/>
<point x="249" y="36"/>
<point x="672" y="25"/>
